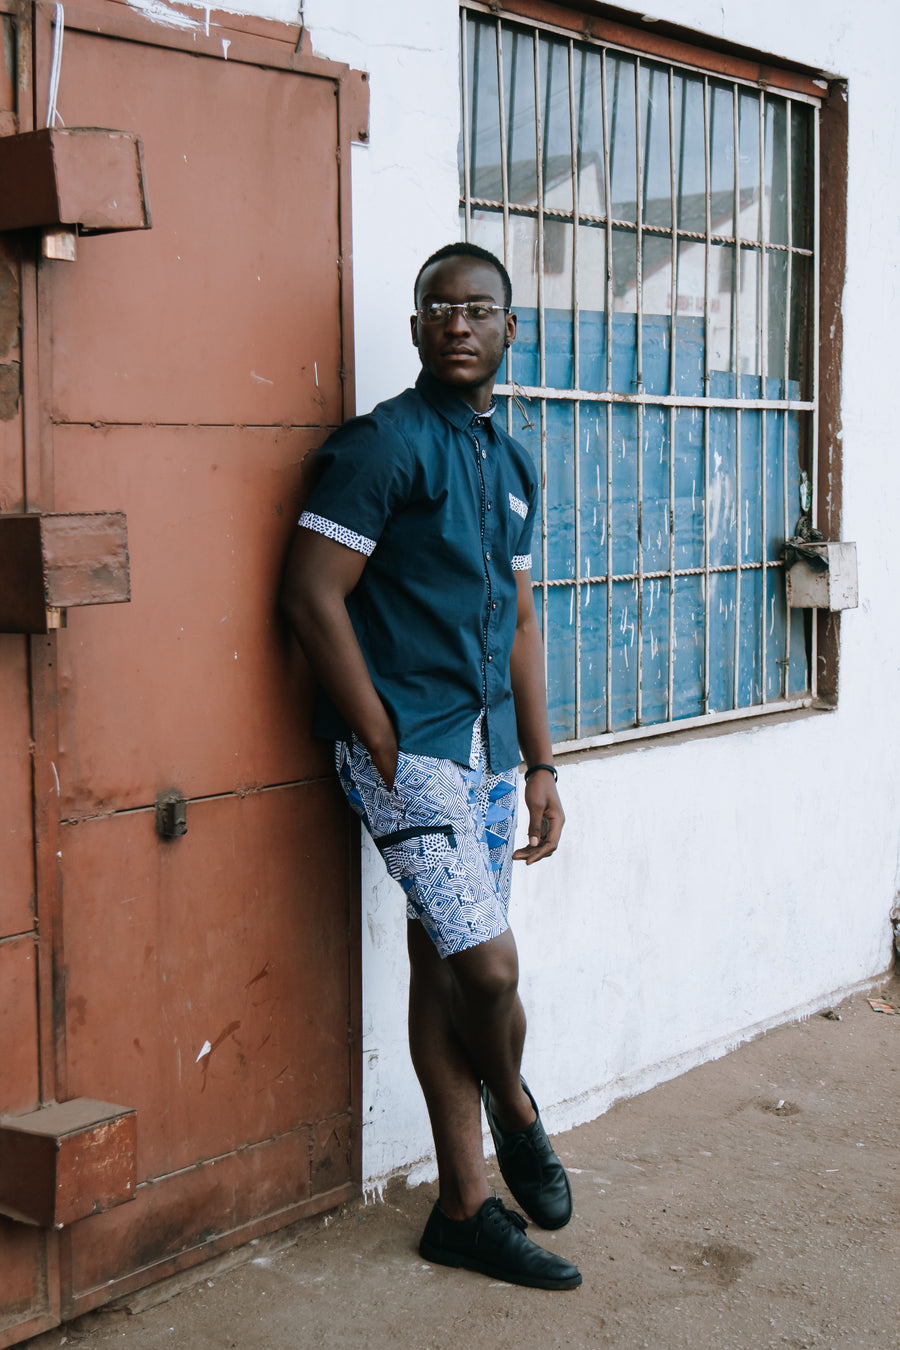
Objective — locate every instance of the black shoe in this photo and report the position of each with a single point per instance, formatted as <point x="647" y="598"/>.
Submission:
<point x="493" y="1242"/>
<point x="531" y="1169"/>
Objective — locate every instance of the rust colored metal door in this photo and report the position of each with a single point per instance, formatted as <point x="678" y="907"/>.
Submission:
<point x="179" y="374"/>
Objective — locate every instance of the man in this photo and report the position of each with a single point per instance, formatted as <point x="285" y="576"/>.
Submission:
<point x="409" y="588"/>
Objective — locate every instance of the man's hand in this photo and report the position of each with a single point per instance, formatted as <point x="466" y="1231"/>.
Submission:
<point x="545" y="818"/>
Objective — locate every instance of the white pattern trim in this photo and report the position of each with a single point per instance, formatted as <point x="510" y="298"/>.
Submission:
<point x="520" y="507"/>
<point x="521" y="562"/>
<point x="331" y="530"/>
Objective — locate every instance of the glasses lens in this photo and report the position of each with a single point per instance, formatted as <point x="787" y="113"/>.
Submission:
<point x="474" y="312"/>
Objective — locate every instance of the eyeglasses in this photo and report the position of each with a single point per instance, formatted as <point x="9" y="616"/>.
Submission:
<point x="473" y="310"/>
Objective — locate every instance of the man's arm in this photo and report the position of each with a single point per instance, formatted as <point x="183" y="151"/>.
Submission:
<point x="319" y="576"/>
<point x="526" y="668"/>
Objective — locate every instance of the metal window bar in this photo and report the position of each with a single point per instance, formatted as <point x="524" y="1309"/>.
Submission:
<point x="542" y="356"/>
<point x="574" y="124"/>
<point x="707" y="344"/>
<point x="639" y="376"/>
<point x="762" y="309"/>
<point x="738" y="419"/>
<point x="785" y="405"/>
<point x="467" y="149"/>
<point x="789" y="211"/>
<point x="610" y="291"/>
<point x="813" y="421"/>
<point x="673" y="342"/>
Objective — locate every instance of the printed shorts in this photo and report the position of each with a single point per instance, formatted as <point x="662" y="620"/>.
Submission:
<point x="446" y="833"/>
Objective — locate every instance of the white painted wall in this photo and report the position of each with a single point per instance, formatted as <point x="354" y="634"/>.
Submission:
<point x="707" y="888"/>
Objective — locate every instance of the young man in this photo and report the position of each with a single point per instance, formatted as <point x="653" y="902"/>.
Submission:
<point x="409" y="588"/>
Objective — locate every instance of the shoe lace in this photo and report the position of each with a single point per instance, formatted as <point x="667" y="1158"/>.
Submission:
<point x="501" y="1215"/>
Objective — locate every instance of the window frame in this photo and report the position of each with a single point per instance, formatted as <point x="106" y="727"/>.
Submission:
<point x="738" y="70"/>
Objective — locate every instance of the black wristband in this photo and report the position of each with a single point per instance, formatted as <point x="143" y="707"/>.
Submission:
<point x="534" y="768"/>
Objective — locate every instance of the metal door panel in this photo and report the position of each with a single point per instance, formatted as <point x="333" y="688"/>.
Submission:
<point x="156" y="972"/>
<point x="182" y="375"/>
<point x="18" y="1018"/>
<point x="191" y="684"/>
<point x="237" y="159"/>
<point x="180" y="1221"/>
<point x="16" y="841"/>
<point x="28" y="1266"/>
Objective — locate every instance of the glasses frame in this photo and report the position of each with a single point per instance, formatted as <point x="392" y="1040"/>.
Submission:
<point x="464" y="306"/>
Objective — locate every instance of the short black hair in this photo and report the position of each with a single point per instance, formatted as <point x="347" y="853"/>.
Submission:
<point x="462" y="249"/>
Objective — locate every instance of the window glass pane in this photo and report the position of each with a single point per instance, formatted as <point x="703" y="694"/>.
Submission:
<point x="722" y="507"/>
<point x="799" y="373"/>
<point x="657" y="313"/>
<point x="593" y="660"/>
<point x="687" y="656"/>
<point x="518" y="73"/>
<point x="624" y="489"/>
<point x="749" y="317"/>
<point x="689" y="148"/>
<point x="561" y="648"/>
<point x="592" y="426"/>
<point x="689" y="503"/>
<point x="721" y="322"/>
<point x="484" y="121"/>
<point x="591" y="171"/>
<point x="557" y="125"/>
<point x="777" y="269"/>
<point x="620" y="73"/>
<point x="721" y="131"/>
<point x="655" y="652"/>
<point x="657" y="194"/>
<point x="722" y="587"/>
<point x="592" y="304"/>
<point x="560" y="490"/>
<point x="751" y="501"/>
<point x="623" y="654"/>
<point x="655" y="490"/>
<point x="801" y="175"/>
<point x="775" y="188"/>
<point x="748" y="122"/>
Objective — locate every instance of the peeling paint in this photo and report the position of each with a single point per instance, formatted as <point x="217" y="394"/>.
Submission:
<point x="163" y="14"/>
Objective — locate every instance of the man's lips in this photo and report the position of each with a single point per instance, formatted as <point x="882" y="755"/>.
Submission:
<point x="457" y="351"/>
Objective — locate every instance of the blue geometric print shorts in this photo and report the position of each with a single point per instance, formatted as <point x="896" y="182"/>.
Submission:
<point x="446" y="833"/>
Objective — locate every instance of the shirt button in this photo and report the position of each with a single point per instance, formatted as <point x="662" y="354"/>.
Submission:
<point x="490" y="506"/>
<point x="484" y="454"/>
<point x="488" y="556"/>
<point x="490" y="658"/>
<point x="493" y="604"/>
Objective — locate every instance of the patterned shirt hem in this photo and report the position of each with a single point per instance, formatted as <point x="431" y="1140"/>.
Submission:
<point x="331" y="530"/>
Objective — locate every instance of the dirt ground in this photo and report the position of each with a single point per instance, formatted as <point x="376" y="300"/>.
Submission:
<point x="752" y="1203"/>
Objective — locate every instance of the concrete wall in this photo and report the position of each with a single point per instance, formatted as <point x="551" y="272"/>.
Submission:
<point x="713" y="886"/>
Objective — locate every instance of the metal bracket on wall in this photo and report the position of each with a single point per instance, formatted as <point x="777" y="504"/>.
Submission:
<point x="171" y="815"/>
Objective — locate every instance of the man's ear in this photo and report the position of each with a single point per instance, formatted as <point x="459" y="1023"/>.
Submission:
<point x="414" y="328"/>
<point x="512" y="323"/>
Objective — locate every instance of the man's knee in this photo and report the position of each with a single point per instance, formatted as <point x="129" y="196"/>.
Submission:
<point x="490" y="971"/>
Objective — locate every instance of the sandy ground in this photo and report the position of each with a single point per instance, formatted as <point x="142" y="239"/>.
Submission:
<point x="752" y="1203"/>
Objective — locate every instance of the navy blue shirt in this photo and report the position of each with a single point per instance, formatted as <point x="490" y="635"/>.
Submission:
<point x="443" y="503"/>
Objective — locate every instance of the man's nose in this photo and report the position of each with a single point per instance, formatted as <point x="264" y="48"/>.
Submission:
<point x="457" y="322"/>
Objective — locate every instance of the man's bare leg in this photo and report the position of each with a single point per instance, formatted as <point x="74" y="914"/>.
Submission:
<point x="449" y="1083"/>
<point x="466" y="1024"/>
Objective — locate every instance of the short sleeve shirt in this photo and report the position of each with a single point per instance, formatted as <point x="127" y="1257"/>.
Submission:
<point x="442" y="501"/>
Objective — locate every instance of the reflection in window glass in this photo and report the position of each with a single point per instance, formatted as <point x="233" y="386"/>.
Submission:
<point x="658" y="227"/>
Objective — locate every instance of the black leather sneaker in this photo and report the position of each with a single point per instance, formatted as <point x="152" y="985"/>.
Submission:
<point x="531" y="1169"/>
<point x="493" y="1242"/>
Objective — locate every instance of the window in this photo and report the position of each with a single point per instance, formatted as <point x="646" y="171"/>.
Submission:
<point x="658" y="221"/>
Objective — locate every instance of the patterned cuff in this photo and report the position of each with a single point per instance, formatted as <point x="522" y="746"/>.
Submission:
<point x="521" y="562"/>
<point x="331" y="530"/>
